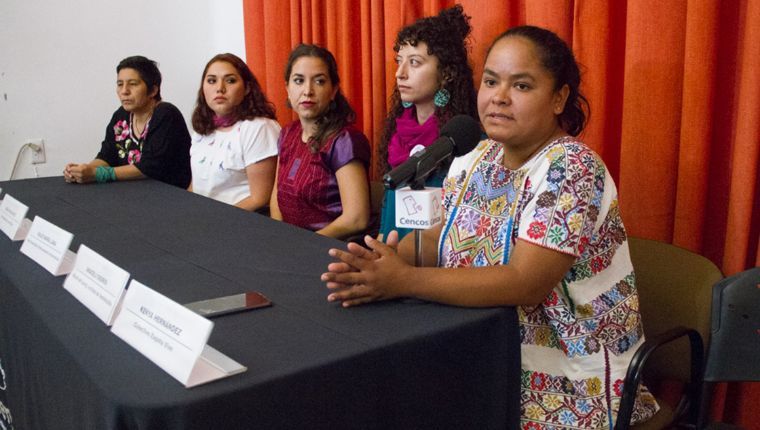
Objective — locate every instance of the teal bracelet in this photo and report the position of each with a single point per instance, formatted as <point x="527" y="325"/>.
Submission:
<point x="104" y="174"/>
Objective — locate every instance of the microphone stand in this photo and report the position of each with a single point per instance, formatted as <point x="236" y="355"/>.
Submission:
<point x="417" y="184"/>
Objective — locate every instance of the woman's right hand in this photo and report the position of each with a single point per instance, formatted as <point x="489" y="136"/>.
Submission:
<point x="363" y="252"/>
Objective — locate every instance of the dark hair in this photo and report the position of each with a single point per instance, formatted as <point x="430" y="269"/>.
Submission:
<point x="446" y="36"/>
<point x="254" y="103"/>
<point x="339" y="112"/>
<point x="559" y="60"/>
<point x="148" y="71"/>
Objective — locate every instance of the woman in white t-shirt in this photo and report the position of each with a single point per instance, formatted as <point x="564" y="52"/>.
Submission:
<point x="234" y="146"/>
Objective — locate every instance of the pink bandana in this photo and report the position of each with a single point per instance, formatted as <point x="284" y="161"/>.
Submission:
<point x="224" y="121"/>
<point x="409" y="134"/>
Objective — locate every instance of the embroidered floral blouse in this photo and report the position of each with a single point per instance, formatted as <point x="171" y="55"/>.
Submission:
<point x="161" y="152"/>
<point x="577" y="344"/>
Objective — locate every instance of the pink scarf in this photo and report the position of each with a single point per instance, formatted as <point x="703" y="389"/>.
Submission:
<point x="224" y="121"/>
<point x="410" y="134"/>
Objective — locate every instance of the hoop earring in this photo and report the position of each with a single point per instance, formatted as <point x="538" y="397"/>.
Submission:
<point x="442" y="97"/>
<point x="406" y="105"/>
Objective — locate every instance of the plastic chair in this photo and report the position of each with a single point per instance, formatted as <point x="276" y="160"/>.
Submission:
<point x="674" y="287"/>
<point x="735" y="343"/>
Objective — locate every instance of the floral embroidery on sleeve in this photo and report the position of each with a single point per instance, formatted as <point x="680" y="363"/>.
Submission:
<point x="568" y="200"/>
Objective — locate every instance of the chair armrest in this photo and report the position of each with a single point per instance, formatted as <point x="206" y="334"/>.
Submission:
<point x="636" y="367"/>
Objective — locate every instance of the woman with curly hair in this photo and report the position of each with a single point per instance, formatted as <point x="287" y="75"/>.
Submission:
<point x="433" y="83"/>
<point x="322" y="182"/>
<point x="234" y="146"/>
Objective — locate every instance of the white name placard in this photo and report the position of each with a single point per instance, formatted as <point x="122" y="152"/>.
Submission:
<point x="48" y="245"/>
<point x="171" y="336"/>
<point x="12" y="218"/>
<point x="418" y="209"/>
<point x="97" y="283"/>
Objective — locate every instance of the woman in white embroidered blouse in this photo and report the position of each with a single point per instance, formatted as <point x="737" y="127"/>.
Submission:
<point x="531" y="220"/>
<point x="234" y="145"/>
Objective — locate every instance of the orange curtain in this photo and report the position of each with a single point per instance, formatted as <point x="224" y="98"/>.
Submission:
<point x="674" y="88"/>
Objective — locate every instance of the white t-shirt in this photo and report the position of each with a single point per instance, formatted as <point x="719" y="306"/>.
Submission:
<point x="218" y="160"/>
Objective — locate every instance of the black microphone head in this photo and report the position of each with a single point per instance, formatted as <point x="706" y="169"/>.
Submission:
<point x="464" y="131"/>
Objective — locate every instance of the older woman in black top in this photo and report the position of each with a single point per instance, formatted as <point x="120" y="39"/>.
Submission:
<point x="146" y="137"/>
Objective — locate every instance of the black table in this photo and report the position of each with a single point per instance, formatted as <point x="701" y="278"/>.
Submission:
<point x="311" y="364"/>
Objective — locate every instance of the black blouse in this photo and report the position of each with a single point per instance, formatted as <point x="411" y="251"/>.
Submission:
<point x="162" y="152"/>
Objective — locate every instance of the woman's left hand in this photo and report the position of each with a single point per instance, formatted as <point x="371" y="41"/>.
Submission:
<point x="365" y="275"/>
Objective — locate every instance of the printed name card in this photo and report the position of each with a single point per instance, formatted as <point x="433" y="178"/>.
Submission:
<point x="12" y="218"/>
<point x="97" y="283"/>
<point x="48" y="245"/>
<point x="171" y="336"/>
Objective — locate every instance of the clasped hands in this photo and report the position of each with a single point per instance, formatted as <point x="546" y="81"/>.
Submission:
<point x="362" y="275"/>
<point x="78" y="173"/>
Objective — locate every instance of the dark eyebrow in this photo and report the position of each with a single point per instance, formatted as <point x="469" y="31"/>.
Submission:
<point x="490" y="72"/>
<point x="522" y="76"/>
<point x="298" y="75"/>
<point x="513" y="77"/>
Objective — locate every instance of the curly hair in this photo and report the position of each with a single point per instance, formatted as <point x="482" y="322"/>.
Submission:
<point x="446" y="36"/>
<point x="148" y="71"/>
<point x="254" y="104"/>
<point x="558" y="59"/>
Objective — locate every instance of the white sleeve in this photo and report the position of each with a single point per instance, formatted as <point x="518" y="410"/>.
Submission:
<point x="258" y="138"/>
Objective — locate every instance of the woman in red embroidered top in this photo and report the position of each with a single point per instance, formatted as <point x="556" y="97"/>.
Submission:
<point x="322" y="182"/>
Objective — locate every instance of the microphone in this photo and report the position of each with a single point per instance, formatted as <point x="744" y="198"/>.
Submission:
<point x="458" y="137"/>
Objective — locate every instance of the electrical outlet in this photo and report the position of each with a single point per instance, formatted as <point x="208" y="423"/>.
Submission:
<point x="38" y="150"/>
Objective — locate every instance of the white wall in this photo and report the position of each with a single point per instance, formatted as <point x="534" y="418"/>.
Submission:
<point x="58" y="67"/>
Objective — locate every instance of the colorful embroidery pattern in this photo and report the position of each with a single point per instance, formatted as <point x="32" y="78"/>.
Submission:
<point x="591" y="318"/>
<point x="567" y="209"/>
<point x="482" y="222"/>
<point x="123" y="132"/>
<point x="557" y="402"/>
<point x="611" y="320"/>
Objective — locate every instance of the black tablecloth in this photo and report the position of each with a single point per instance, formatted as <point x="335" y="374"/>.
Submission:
<point x="311" y="364"/>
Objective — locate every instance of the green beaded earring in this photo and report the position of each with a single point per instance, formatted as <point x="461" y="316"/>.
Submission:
<point x="442" y="97"/>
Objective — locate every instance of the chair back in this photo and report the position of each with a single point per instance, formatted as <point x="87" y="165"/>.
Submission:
<point x="674" y="286"/>
<point x="376" y="194"/>
<point x="734" y="347"/>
